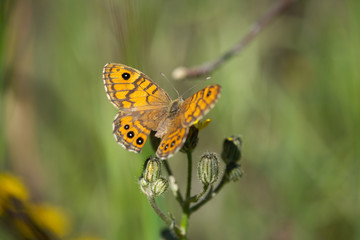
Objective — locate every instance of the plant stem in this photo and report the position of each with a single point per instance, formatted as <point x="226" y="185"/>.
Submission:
<point x="170" y="222"/>
<point x="198" y="196"/>
<point x="186" y="207"/>
<point x="212" y="195"/>
<point x="158" y="211"/>
<point x="189" y="176"/>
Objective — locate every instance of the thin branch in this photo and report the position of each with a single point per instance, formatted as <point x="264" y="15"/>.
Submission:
<point x="206" y="68"/>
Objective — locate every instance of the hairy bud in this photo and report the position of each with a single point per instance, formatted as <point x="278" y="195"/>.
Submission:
<point x="152" y="170"/>
<point x="208" y="168"/>
<point x="159" y="186"/>
<point x="234" y="172"/>
<point x="231" y="149"/>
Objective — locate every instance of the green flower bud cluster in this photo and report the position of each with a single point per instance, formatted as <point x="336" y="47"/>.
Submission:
<point x="151" y="181"/>
<point x="231" y="155"/>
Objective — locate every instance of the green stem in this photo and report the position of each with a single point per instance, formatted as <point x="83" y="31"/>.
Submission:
<point x="211" y="195"/>
<point x="158" y="211"/>
<point x="186" y="207"/>
<point x="198" y="196"/>
<point x="170" y="222"/>
<point x="189" y="176"/>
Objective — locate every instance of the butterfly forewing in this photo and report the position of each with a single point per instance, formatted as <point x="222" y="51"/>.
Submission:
<point x="131" y="90"/>
<point x="196" y="106"/>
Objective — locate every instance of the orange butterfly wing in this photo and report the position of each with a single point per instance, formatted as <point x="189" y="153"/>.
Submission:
<point x="173" y="140"/>
<point x="142" y="104"/>
<point x="131" y="90"/>
<point x="199" y="104"/>
<point x="191" y="110"/>
<point x="132" y="130"/>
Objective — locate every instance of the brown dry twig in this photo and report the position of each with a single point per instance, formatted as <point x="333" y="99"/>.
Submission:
<point x="206" y="68"/>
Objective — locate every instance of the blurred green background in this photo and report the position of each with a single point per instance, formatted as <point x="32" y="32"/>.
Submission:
<point x="293" y="94"/>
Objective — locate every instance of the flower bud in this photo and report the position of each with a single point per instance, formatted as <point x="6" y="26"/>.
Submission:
<point x="191" y="140"/>
<point x="152" y="169"/>
<point x="143" y="185"/>
<point x="208" y="168"/>
<point x="231" y="149"/>
<point x="234" y="172"/>
<point x="159" y="186"/>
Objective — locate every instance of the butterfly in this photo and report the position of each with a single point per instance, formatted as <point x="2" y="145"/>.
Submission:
<point x="145" y="106"/>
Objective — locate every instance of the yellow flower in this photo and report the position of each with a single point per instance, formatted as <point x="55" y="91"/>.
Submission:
<point x="50" y="218"/>
<point x="40" y="221"/>
<point x="87" y="238"/>
<point x="27" y="219"/>
<point x="201" y="125"/>
<point x="11" y="188"/>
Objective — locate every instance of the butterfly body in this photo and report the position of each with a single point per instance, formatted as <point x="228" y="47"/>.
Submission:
<point x="174" y="107"/>
<point x="145" y="106"/>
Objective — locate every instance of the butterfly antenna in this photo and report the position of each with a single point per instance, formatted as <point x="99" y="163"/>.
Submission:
<point x="172" y="85"/>
<point x="207" y="78"/>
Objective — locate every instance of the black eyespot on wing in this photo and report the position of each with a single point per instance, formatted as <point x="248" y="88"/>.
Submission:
<point x="139" y="140"/>
<point x="125" y="76"/>
<point x="126" y="126"/>
<point x="167" y="146"/>
<point x="130" y="134"/>
<point x="172" y="143"/>
<point x="208" y="93"/>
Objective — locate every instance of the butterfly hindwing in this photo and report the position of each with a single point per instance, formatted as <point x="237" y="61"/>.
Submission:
<point x="172" y="142"/>
<point x="196" y="106"/>
<point x="130" y="132"/>
<point x="131" y="90"/>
